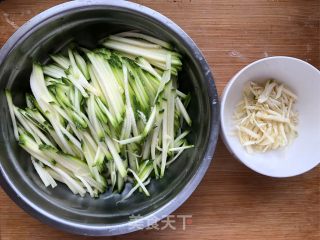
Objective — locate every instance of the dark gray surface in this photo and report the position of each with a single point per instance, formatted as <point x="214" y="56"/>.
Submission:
<point x="85" y="22"/>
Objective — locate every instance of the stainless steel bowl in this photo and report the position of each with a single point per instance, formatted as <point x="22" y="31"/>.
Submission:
<point x="86" y="22"/>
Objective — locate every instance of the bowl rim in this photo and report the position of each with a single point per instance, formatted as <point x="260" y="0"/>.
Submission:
<point x="183" y="195"/>
<point x="223" y="100"/>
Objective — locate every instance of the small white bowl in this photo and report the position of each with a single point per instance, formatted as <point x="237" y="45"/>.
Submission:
<point x="303" y="153"/>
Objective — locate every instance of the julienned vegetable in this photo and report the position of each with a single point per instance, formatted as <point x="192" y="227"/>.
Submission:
<point x="97" y="119"/>
<point x="265" y="118"/>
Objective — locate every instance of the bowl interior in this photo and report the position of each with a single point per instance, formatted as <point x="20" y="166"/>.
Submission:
<point x="86" y="26"/>
<point x="304" y="80"/>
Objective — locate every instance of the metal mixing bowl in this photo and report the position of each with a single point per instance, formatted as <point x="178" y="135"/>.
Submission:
<point x="85" y="22"/>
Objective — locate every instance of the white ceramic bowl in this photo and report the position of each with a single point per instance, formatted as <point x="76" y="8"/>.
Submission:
<point x="303" y="153"/>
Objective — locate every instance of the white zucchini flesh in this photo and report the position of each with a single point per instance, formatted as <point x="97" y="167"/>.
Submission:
<point x="100" y="118"/>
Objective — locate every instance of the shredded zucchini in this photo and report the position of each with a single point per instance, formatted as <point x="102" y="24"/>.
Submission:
<point x="101" y="118"/>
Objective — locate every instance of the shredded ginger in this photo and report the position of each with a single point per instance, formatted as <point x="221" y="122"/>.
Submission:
<point x="265" y="119"/>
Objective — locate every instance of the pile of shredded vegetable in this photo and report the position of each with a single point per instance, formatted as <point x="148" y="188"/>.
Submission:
<point x="98" y="119"/>
<point x="265" y="119"/>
